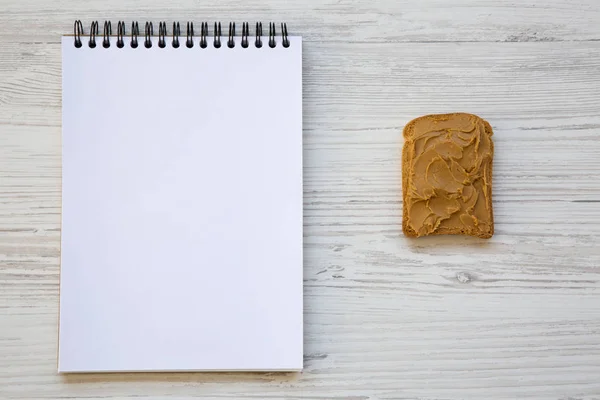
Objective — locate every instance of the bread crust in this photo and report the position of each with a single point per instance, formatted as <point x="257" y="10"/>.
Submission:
<point x="407" y="155"/>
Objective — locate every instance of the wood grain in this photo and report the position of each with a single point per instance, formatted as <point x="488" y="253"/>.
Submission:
<point x="386" y="317"/>
<point x="341" y="21"/>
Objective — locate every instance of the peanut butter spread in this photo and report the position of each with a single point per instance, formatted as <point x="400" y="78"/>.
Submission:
<point x="448" y="163"/>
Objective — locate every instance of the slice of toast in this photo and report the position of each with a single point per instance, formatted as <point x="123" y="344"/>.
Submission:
<point x="447" y="176"/>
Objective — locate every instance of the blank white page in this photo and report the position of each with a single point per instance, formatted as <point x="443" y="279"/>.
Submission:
<point x="182" y="208"/>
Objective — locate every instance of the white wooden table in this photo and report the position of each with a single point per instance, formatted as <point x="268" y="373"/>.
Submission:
<point x="514" y="317"/>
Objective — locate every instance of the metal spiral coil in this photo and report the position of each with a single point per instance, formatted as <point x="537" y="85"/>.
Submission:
<point x="203" y="35"/>
<point x="93" y="34"/>
<point x="176" y="34"/>
<point x="217" y="32"/>
<point x="189" y="41"/>
<point x="272" y="34"/>
<point x="258" y="41"/>
<point x="148" y="33"/>
<point x="245" y="34"/>
<point x="230" y="40"/>
<point x="78" y="32"/>
<point x="162" y="33"/>
<point x="284" y="35"/>
<point x="106" y="34"/>
<point x="120" y="34"/>
<point x="135" y="32"/>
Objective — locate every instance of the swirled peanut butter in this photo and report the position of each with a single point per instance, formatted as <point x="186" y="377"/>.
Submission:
<point x="447" y="176"/>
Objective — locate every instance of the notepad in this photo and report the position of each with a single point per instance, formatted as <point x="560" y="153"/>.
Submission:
<point x="182" y="235"/>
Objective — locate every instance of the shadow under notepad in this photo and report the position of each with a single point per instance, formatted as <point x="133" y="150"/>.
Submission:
<point x="183" y="377"/>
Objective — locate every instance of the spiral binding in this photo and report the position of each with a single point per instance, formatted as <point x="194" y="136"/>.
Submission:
<point x="162" y="33"/>
<point x="217" y="39"/>
<point x="148" y="33"/>
<point x="189" y="36"/>
<point x="93" y="34"/>
<point x="135" y="32"/>
<point x="78" y="31"/>
<point x="203" y="35"/>
<point x="106" y="34"/>
<point x="120" y="34"/>
<point x="176" y="34"/>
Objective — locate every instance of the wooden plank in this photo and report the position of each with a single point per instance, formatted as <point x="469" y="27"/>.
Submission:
<point x="338" y="21"/>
